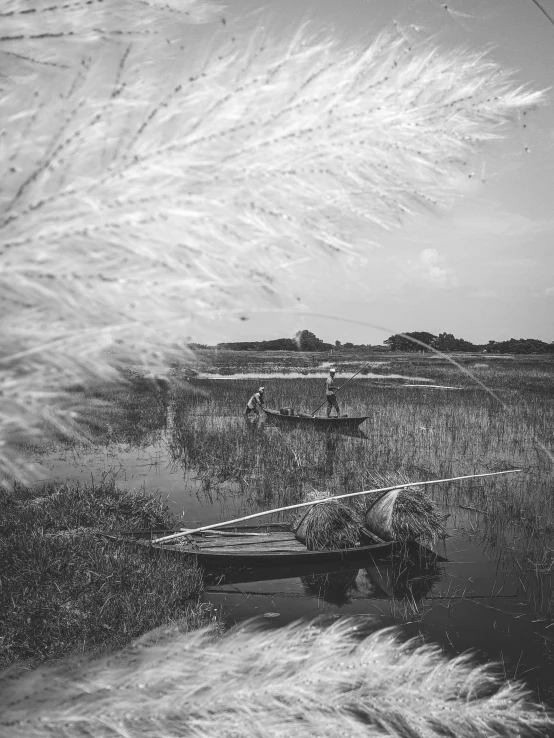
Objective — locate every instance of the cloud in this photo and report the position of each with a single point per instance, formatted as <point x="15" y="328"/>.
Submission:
<point x="484" y="294"/>
<point x="429" y="257"/>
<point x="549" y="291"/>
<point x="428" y="271"/>
<point x="497" y="222"/>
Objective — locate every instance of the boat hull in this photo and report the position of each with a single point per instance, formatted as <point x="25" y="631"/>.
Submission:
<point x="250" y="547"/>
<point x="318" y="422"/>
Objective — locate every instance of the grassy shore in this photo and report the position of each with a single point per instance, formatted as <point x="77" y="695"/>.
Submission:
<point x="66" y="590"/>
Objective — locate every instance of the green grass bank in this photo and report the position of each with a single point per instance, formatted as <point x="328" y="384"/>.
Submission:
<point x="65" y="590"/>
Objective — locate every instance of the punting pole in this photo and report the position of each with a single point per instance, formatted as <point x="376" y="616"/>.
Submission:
<point x="186" y="532"/>
<point x="343" y="385"/>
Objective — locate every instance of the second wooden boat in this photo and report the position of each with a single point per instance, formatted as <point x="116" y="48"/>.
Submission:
<point x="318" y="422"/>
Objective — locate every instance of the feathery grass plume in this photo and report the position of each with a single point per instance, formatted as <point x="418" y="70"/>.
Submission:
<point x="329" y="526"/>
<point x="46" y="35"/>
<point x="403" y="514"/>
<point x="137" y="195"/>
<point x="301" y="680"/>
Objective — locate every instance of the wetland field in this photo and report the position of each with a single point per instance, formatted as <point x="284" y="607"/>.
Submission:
<point x="182" y="451"/>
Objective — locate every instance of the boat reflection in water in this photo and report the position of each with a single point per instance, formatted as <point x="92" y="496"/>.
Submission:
<point x="396" y="580"/>
<point x="307" y="591"/>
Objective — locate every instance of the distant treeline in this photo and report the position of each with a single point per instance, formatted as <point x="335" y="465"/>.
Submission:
<point x="307" y="341"/>
<point x="304" y="341"/>
<point x="448" y="342"/>
<point x="279" y="344"/>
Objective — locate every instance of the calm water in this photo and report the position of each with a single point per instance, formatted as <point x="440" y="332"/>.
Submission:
<point x="475" y="600"/>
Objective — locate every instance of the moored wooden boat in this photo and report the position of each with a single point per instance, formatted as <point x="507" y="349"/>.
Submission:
<point x="257" y="546"/>
<point x="319" y="422"/>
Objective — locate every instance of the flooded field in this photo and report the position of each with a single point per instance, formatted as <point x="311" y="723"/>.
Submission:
<point x="494" y="593"/>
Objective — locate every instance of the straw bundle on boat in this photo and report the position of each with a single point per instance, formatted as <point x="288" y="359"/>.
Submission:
<point x="326" y="526"/>
<point x="403" y="514"/>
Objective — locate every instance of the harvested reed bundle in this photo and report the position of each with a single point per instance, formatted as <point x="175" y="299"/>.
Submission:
<point x="303" y="680"/>
<point x="403" y="514"/>
<point x="326" y="526"/>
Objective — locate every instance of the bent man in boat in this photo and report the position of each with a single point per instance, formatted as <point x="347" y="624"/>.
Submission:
<point x="330" y="394"/>
<point x="256" y="401"/>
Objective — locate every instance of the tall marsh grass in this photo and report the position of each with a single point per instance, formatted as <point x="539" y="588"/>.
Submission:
<point x="136" y="196"/>
<point x="414" y="434"/>
<point x="67" y="590"/>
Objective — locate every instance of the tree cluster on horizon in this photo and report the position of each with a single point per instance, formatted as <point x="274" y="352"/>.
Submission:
<point x="413" y="341"/>
<point x="447" y="342"/>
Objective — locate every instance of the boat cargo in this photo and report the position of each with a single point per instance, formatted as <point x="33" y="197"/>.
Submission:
<point x="257" y="546"/>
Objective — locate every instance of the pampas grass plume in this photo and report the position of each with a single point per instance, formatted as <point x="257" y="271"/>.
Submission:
<point x="301" y="680"/>
<point x="146" y="181"/>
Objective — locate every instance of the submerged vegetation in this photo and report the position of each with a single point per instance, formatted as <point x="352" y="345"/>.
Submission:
<point x="65" y="589"/>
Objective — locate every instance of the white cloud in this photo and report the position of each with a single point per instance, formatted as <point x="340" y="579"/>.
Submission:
<point x="429" y="257"/>
<point x="428" y="271"/>
<point x="549" y="291"/>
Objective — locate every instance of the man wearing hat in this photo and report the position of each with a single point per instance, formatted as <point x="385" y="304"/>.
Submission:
<point x="330" y="394"/>
<point x="257" y="400"/>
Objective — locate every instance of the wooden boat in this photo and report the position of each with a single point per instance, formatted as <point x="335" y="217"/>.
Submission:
<point x="319" y="422"/>
<point x="257" y="546"/>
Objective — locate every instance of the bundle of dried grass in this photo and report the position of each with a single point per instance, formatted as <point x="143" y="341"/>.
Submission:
<point x="302" y="681"/>
<point x="403" y="514"/>
<point x="326" y="526"/>
<point x="137" y="195"/>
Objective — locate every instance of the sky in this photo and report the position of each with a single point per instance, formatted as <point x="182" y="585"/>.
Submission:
<point x="482" y="270"/>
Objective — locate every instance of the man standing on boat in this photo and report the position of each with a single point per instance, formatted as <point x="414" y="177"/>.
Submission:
<point x="330" y="390"/>
<point x="256" y="401"/>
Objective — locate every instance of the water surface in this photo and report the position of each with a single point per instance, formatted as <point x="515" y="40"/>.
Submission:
<point x="476" y="600"/>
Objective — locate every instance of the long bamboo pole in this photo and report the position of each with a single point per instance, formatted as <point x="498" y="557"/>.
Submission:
<point x="343" y="385"/>
<point x="327" y="499"/>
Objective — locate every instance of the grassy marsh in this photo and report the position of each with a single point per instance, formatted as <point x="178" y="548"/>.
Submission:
<point x="66" y="590"/>
<point x="424" y="433"/>
<point x="501" y="586"/>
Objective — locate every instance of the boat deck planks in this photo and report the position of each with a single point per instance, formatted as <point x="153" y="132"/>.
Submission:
<point x="273" y="545"/>
<point x="269" y="542"/>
